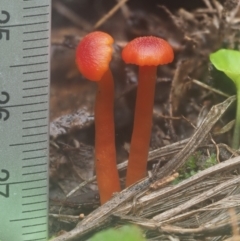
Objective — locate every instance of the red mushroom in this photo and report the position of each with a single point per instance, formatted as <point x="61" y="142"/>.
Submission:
<point x="93" y="56"/>
<point x="147" y="52"/>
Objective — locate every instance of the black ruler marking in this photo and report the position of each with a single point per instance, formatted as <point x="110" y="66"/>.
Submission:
<point x="26" y="65"/>
<point x="22" y="182"/>
<point x="32" y="96"/>
<point x="37" y="47"/>
<point x="29" y="80"/>
<point x="28" y="143"/>
<point x="36" y="165"/>
<point x="33" y="173"/>
<point x="33" y="127"/>
<point x="33" y="203"/>
<point x="36" y="31"/>
<point x="27" y="104"/>
<point x="36" y="15"/>
<point x="32" y="158"/>
<point x="33" y="150"/>
<point x="36" y="87"/>
<point x="37" y="195"/>
<point x="24" y="24"/>
<point x="36" y="134"/>
<point x="31" y="40"/>
<point x="24" y="219"/>
<point x="41" y="6"/>
<point x="33" y="188"/>
<point x="34" y="119"/>
<point x="34" y="111"/>
<point x="34" y="56"/>
<point x="34" y="210"/>
<point x="37" y="71"/>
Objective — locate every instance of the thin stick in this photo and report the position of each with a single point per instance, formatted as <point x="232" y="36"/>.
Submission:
<point x="209" y="88"/>
<point x="109" y="14"/>
<point x="73" y="17"/>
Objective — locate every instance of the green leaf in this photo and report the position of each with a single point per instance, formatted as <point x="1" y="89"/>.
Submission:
<point x="228" y="61"/>
<point x="125" y="233"/>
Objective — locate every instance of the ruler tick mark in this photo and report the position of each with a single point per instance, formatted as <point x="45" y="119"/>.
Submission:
<point x="34" y="119"/>
<point x="33" y="150"/>
<point x="29" y="80"/>
<point x="25" y="65"/>
<point x="36" y="103"/>
<point x="34" y="72"/>
<point x="24" y="24"/>
<point x="33" y="127"/>
<point x="35" y="210"/>
<point x="36" y="15"/>
<point x="33" y="173"/>
<point x="34" y="56"/>
<point x="24" y="219"/>
<point x="33" y="225"/>
<point x="31" y="158"/>
<point x="31" y="96"/>
<point x="33" y="111"/>
<point x="36" y="165"/>
<point x="31" y="40"/>
<point x="36" y="31"/>
<point x="36" y="87"/>
<point x="37" y="47"/>
<point x="28" y="143"/>
<point x="42" y="6"/>
<point x="37" y="134"/>
<point x="22" y="182"/>
<point x="33" y="188"/>
<point x="37" y="195"/>
<point x="33" y="203"/>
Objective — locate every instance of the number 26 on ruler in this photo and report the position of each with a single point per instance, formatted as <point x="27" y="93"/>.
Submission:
<point x="4" y="174"/>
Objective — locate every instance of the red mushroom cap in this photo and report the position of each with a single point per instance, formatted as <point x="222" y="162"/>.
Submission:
<point x="150" y="51"/>
<point x="94" y="54"/>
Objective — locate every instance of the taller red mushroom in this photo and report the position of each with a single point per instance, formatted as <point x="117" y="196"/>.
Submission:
<point x="93" y="56"/>
<point x="148" y="53"/>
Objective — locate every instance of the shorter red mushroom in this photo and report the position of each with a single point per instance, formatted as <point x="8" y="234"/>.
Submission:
<point x="148" y="53"/>
<point x="93" y="56"/>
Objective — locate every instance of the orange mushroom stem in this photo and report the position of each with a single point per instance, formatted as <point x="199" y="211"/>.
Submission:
<point x="93" y="56"/>
<point x="148" y="53"/>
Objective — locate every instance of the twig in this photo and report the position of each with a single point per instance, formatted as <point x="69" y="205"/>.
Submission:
<point x="209" y="88"/>
<point x="125" y="10"/>
<point x="110" y="13"/>
<point x="66" y="12"/>
<point x="65" y="218"/>
<point x="208" y="4"/>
